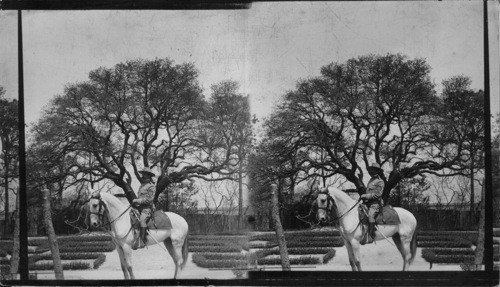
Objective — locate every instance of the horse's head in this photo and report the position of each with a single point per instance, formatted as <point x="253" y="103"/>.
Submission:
<point x="325" y="203"/>
<point x="97" y="209"/>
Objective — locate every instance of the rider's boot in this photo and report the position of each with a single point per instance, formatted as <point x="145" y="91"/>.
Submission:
<point x="371" y="232"/>
<point x="141" y="241"/>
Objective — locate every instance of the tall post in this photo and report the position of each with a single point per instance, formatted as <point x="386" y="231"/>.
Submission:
<point x="23" y="207"/>
<point x="488" y="196"/>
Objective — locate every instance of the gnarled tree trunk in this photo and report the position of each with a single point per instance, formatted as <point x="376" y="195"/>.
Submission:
<point x="54" y="246"/>
<point x="278" y="228"/>
<point x="479" y="256"/>
<point x="14" y="261"/>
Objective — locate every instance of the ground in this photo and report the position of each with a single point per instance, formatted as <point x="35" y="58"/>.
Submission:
<point x="155" y="263"/>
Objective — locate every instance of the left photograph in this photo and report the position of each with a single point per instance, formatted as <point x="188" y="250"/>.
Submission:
<point x="9" y="143"/>
<point x="137" y="130"/>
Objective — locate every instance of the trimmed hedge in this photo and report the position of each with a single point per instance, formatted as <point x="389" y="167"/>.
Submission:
<point x="221" y="249"/>
<point x="334" y="243"/>
<point x="291" y="235"/>
<point x="328" y="256"/>
<point x="434" y="238"/>
<point x="431" y="257"/>
<point x="224" y="256"/>
<point x="99" y="261"/>
<point x="451" y="251"/>
<point x="207" y="243"/>
<point x="67" y="256"/>
<point x="303" y="260"/>
<point x="301" y="251"/>
<point x="4" y="260"/>
<point x="201" y="260"/>
<point x="4" y="269"/>
<point x="457" y="242"/>
<point x="101" y="247"/>
<point x="78" y="265"/>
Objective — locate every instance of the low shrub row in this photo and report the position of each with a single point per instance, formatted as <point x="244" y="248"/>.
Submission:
<point x="76" y="265"/>
<point x="85" y="238"/>
<point x="446" y="233"/>
<point x="66" y="256"/>
<point x="224" y="256"/>
<point x="314" y="238"/>
<point x="4" y="268"/>
<point x="99" y="259"/>
<point x="292" y="235"/>
<point x="302" y="260"/>
<point x="300" y="251"/>
<point x="329" y="255"/>
<point x="103" y="247"/>
<point x="337" y="242"/>
<point x="221" y="249"/>
<point x="457" y="242"/>
<point x="205" y="261"/>
<point x="4" y="260"/>
<point x="435" y="238"/>
<point x="431" y="257"/>
<point x="5" y="247"/>
<point x="451" y="251"/>
<point x="207" y="243"/>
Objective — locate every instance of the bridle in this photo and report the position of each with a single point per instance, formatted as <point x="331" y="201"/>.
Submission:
<point x="329" y="204"/>
<point x="102" y="206"/>
<point x="103" y="209"/>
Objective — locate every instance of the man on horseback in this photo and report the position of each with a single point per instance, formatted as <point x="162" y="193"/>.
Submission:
<point x="373" y="196"/>
<point x="143" y="203"/>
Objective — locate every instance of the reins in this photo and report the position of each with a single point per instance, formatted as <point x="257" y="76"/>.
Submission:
<point x="101" y="203"/>
<point x="330" y="199"/>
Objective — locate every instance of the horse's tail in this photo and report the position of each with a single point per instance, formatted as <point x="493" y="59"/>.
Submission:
<point x="185" y="250"/>
<point x="413" y="245"/>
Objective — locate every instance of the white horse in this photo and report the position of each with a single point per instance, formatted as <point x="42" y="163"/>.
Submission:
<point x="345" y="209"/>
<point x="175" y="240"/>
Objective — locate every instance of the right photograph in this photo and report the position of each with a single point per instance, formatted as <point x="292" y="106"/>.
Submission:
<point x="370" y="145"/>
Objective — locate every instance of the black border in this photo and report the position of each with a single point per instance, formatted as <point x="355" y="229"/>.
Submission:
<point x="489" y="277"/>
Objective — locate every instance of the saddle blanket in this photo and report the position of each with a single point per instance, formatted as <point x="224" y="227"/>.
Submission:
<point x="388" y="216"/>
<point x="159" y="220"/>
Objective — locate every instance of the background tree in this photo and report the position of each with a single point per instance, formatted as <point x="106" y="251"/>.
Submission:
<point x="141" y="113"/>
<point x="9" y="137"/>
<point x="373" y="108"/>
<point x="463" y="114"/>
<point x="231" y="110"/>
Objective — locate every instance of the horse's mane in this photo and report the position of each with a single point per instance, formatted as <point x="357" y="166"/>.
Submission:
<point x="113" y="199"/>
<point x="340" y="194"/>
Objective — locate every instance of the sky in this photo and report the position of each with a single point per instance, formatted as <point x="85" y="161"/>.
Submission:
<point x="266" y="48"/>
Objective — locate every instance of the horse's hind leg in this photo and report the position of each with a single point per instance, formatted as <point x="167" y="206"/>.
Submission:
<point x="173" y="254"/>
<point x="401" y="247"/>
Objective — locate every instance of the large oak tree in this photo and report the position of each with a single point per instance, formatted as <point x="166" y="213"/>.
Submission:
<point x="141" y="113"/>
<point x="373" y="108"/>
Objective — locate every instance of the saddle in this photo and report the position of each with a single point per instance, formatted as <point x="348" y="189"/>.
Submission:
<point x="388" y="216"/>
<point x="159" y="220"/>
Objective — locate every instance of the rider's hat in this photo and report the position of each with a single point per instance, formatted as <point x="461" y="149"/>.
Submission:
<point x="375" y="167"/>
<point x="148" y="171"/>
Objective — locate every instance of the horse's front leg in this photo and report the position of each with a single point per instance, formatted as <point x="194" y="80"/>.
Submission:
<point x="355" y="253"/>
<point x="123" y="262"/>
<point x="351" y="256"/>
<point x="127" y="251"/>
